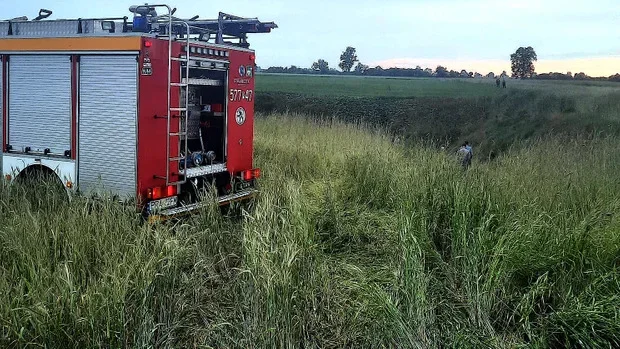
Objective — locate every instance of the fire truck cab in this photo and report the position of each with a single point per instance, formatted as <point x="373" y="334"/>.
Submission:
<point x="154" y="110"/>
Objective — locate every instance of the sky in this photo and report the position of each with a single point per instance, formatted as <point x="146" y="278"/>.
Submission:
<point x="476" y="35"/>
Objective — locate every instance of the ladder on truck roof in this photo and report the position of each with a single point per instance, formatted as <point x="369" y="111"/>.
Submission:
<point x="225" y="27"/>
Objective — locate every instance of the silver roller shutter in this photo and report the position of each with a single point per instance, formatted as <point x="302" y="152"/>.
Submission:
<point x="40" y="102"/>
<point x="107" y="124"/>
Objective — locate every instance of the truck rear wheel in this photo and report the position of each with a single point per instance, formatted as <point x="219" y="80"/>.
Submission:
<point x="42" y="186"/>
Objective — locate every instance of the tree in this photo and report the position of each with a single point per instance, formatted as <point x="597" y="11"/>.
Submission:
<point x="348" y="59"/>
<point x="581" y="76"/>
<point x="441" y="72"/>
<point x="615" y="77"/>
<point x="321" y="65"/>
<point x="522" y="62"/>
<point x="360" y="68"/>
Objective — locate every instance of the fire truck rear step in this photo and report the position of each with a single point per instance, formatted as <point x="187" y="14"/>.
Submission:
<point x="222" y="200"/>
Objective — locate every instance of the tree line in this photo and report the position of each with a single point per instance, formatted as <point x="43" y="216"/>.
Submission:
<point x="522" y="67"/>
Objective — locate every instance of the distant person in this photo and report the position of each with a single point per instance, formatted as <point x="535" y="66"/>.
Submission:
<point x="469" y="154"/>
<point x="469" y="149"/>
<point x="465" y="154"/>
<point x="497" y="82"/>
<point x="504" y="83"/>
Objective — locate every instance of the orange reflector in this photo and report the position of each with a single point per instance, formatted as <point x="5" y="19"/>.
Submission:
<point x="149" y="193"/>
<point x="69" y="184"/>
<point x="8" y="177"/>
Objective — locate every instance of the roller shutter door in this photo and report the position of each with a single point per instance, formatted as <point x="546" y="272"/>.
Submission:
<point x="107" y="124"/>
<point x="40" y="102"/>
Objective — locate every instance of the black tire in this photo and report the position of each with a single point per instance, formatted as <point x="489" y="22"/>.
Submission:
<point x="42" y="187"/>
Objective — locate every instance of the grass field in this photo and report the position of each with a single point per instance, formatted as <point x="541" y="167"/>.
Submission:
<point x="449" y="111"/>
<point x="355" y="86"/>
<point x="370" y="87"/>
<point x="354" y="242"/>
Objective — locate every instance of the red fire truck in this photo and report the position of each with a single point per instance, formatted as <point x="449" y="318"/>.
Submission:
<point x="156" y="109"/>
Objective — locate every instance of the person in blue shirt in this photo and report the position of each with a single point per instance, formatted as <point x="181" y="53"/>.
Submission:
<point x="465" y="154"/>
<point x="470" y="154"/>
<point x="469" y="148"/>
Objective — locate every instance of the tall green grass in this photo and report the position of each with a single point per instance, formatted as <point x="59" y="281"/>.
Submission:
<point x="354" y="241"/>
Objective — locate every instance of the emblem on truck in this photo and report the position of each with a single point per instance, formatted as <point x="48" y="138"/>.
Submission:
<point x="240" y="116"/>
<point x="242" y="70"/>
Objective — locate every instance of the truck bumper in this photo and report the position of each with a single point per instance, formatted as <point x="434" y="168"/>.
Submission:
<point x="187" y="209"/>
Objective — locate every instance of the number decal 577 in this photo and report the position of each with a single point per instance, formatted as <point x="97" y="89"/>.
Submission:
<point x="236" y="95"/>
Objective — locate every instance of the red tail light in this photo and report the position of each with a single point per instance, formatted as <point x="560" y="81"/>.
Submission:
<point x="157" y="193"/>
<point x="171" y="191"/>
<point x="247" y="175"/>
<point x="250" y="174"/>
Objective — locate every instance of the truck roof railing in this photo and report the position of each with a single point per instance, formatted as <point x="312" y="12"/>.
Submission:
<point x="226" y="27"/>
<point x="220" y="31"/>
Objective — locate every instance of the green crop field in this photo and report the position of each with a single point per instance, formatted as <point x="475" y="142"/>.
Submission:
<point x="369" y="87"/>
<point x="449" y="111"/>
<point x="354" y="242"/>
<point x="355" y="86"/>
